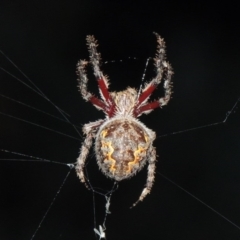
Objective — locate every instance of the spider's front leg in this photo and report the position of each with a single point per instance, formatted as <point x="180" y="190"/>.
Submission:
<point x="83" y="80"/>
<point x="150" y="177"/>
<point x="95" y="59"/>
<point x="106" y="102"/>
<point x="89" y="130"/>
<point x="165" y="72"/>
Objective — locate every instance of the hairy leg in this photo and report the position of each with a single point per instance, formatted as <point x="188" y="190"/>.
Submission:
<point x="150" y="177"/>
<point x="83" y="80"/>
<point x="95" y="59"/>
<point x="164" y="70"/>
<point x="89" y="130"/>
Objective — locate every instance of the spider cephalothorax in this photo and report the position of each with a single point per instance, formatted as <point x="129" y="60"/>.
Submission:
<point x="123" y="145"/>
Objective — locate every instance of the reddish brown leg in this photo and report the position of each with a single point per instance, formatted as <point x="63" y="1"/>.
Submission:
<point x="162" y="68"/>
<point x="102" y="80"/>
<point x="83" y="80"/>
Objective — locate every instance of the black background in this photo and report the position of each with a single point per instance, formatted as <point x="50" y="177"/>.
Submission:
<point x="46" y="39"/>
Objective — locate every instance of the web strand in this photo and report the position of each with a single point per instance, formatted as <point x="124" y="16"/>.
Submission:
<point x="38" y="125"/>
<point x="143" y="76"/>
<point x="100" y="233"/>
<point x="36" y="90"/>
<point x="204" y="126"/>
<point x="94" y="189"/>
<point x="102" y="228"/>
<point x="199" y="200"/>
<point x="71" y="166"/>
<point x="29" y="158"/>
<point x="35" y="109"/>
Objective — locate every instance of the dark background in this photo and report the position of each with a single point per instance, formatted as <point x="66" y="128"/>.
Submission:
<point x="45" y="39"/>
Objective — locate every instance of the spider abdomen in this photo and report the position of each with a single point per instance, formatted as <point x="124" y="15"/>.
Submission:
<point x="122" y="146"/>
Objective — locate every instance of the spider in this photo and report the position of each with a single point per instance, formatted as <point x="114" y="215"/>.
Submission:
<point x="123" y="144"/>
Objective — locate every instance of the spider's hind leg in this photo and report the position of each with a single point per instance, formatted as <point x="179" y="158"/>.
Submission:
<point x="88" y="129"/>
<point x="150" y="177"/>
<point x="83" y="156"/>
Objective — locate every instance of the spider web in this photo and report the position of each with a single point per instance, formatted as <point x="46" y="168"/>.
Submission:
<point x="46" y="39"/>
<point x="15" y="111"/>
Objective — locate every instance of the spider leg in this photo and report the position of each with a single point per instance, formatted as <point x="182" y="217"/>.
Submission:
<point x="162" y="68"/>
<point x="95" y="59"/>
<point x="83" y="80"/>
<point x="148" y="107"/>
<point x="150" y="177"/>
<point x="82" y="157"/>
<point x="88" y="129"/>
